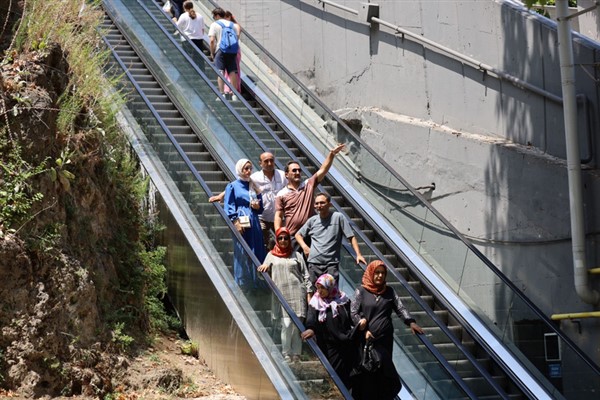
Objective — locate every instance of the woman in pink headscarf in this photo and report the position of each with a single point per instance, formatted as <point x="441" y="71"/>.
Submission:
<point x="330" y="321"/>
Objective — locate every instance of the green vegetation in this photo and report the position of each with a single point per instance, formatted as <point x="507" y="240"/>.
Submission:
<point x="17" y="192"/>
<point x="531" y="3"/>
<point x="190" y="348"/>
<point x="87" y="146"/>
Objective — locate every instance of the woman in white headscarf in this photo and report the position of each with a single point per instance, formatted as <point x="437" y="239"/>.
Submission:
<point x="240" y="208"/>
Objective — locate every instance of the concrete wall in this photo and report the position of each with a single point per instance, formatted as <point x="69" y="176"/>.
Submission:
<point x="496" y="152"/>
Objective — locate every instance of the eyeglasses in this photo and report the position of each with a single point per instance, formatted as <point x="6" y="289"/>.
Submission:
<point x="283" y="238"/>
<point x="295" y="170"/>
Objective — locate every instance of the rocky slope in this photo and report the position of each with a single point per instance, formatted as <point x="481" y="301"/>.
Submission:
<point x="74" y="320"/>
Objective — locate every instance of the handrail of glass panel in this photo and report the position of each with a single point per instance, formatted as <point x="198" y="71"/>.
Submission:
<point x="306" y="92"/>
<point x="343" y="390"/>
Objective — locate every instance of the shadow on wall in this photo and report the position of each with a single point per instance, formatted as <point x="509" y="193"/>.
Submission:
<point x="527" y="196"/>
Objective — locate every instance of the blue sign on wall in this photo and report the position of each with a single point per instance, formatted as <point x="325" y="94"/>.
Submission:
<point x="554" y="371"/>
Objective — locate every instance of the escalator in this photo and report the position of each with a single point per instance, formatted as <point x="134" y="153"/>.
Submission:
<point x="205" y="165"/>
<point x="197" y="121"/>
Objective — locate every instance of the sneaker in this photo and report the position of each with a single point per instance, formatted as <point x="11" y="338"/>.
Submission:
<point x="287" y="358"/>
<point x="234" y="97"/>
<point x="220" y="97"/>
<point x="296" y="358"/>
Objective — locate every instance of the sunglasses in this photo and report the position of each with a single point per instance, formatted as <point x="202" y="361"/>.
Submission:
<point x="295" y="170"/>
<point x="283" y="238"/>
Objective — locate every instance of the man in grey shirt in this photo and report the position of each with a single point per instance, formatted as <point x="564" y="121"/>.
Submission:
<point x="325" y="231"/>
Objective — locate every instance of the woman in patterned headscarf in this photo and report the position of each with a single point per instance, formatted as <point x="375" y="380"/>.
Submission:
<point x="289" y="273"/>
<point x="329" y="320"/>
<point x="371" y="311"/>
<point x="239" y="206"/>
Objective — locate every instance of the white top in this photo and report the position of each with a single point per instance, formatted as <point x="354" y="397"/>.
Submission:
<point x="269" y="188"/>
<point x="192" y="28"/>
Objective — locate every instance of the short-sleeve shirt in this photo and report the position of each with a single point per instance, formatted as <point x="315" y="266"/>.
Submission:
<point x="326" y="237"/>
<point x="216" y="30"/>
<point x="192" y="28"/>
<point x="297" y="205"/>
<point x="269" y="188"/>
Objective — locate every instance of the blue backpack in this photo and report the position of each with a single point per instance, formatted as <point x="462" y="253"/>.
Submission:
<point x="229" y="40"/>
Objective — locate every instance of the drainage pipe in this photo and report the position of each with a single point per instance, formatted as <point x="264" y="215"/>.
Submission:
<point x="567" y="72"/>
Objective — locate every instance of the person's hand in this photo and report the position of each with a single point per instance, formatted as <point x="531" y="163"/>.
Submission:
<point x="306" y="250"/>
<point x="212" y="199"/>
<point x="238" y="226"/>
<point x="362" y="324"/>
<point x="264" y="268"/>
<point x="255" y="204"/>
<point x="360" y="259"/>
<point x="416" y="328"/>
<point x="338" y="148"/>
<point x="369" y="335"/>
<point x="307" y="334"/>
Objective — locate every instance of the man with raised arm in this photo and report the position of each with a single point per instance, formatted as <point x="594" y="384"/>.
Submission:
<point x="294" y="203"/>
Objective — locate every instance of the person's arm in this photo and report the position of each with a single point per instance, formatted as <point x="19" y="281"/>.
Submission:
<point x="304" y="274"/>
<point x="302" y="244"/>
<point x="213" y="45"/>
<point x="403" y="313"/>
<point x="267" y="264"/>
<point x="328" y="162"/>
<point x="279" y="207"/>
<point x="359" y="257"/>
<point x="355" y="311"/>
<point x="311" y="319"/>
<point x="278" y="222"/>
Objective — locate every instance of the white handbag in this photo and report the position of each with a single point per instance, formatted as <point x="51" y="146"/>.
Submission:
<point x="244" y="220"/>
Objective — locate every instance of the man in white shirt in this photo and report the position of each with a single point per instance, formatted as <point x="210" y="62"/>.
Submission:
<point x="270" y="181"/>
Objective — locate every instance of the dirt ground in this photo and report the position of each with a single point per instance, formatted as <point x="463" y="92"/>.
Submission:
<point x="154" y="376"/>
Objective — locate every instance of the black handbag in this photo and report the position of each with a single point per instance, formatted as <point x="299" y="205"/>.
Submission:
<point x="370" y="360"/>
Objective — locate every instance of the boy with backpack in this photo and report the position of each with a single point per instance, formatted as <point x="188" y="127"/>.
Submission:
<point x="224" y="45"/>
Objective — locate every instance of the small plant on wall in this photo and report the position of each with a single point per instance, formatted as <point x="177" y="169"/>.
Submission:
<point x="531" y="3"/>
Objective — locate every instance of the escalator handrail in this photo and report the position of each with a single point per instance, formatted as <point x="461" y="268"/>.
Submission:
<point x="549" y="324"/>
<point x="341" y="387"/>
